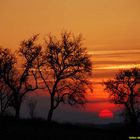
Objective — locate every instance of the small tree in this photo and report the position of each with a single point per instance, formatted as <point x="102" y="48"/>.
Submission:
<point x="65" y="70"/>
<point x="32" y="103"/>
<point x="124" y="90"/>
<point x="18" y="79"/>
<point x="5" y="97"/>
<point x="7" y="72"/>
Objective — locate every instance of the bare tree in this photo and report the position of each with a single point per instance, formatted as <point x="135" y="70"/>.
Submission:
<point x="18" y="79"/>
<point x="65" y="70"/>
<point x="32" y="103"/>
<point x="5" y="97"/>
<point x="124" y="90"/>
<point x="7" y="62"/>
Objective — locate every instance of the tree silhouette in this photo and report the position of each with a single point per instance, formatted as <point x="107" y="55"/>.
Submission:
<point x="18" y="79"/>
<point x="124" y="89"/>
<point x="32" y="103"/>
<point x="7" y="72"/>
<point x="5" y="97"/>
<point x="65" y="70"/>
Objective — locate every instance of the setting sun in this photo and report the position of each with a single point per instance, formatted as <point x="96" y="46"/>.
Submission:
<point x="69" y="61"/>
<point x="106" y="113"/>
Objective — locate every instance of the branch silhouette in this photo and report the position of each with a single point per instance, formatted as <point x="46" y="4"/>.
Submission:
<point x="65" y="70"/>
<point x="125" y="89"/>
<point x="19" y="80"/>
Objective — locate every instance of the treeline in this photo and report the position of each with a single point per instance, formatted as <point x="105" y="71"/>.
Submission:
<point x="62" y="68"/>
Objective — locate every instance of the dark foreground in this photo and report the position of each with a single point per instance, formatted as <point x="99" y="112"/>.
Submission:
<point x="39" y="129"/>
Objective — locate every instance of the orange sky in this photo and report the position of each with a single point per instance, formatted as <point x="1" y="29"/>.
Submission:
<point x="105" y="24"/>
<point x="111" y="29"/>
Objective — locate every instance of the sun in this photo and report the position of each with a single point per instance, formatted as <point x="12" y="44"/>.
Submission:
<point x="106" y="113"/>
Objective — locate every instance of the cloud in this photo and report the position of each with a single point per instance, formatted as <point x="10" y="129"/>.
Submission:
<point x="111" y="52"/>
<point x="118" y="62"/>
<point x="125" y="66"/>
<point x="99" y="100"/>
<point x="115" y="59"/>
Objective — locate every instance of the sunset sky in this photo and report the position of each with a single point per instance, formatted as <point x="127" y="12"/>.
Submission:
<point x="110" y="28"/>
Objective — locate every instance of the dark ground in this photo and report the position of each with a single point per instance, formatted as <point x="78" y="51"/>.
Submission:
<point x="39" y="129"/>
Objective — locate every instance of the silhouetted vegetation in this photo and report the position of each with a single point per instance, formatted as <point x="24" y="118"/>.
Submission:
<point x="125" y="89"/>
<point x="65" y="71"/>
<point x="5" y="97"/>
<point x="17" y="79"/>
<point x="63" y="66"/>
<point x="31" y="105"/>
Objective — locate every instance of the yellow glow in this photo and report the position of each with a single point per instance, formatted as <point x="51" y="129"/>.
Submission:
<point x="120" y="67"/>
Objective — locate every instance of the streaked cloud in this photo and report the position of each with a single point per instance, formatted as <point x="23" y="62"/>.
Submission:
<point x="115" y="52"/>
<point x="125" y="66"/>
<point x="116" y="59"/>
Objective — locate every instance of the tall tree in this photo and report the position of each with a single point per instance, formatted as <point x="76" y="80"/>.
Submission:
<point x="65" y="70"/>
<point x="124" y="90"/>
<point x="18" y="79"/>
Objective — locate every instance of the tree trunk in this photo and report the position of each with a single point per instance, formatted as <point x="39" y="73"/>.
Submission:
<point x="134" y="118"/>
<point x="50" y="114"/>
<point x="17" y="115"/>
<point x="2" y="113"/>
